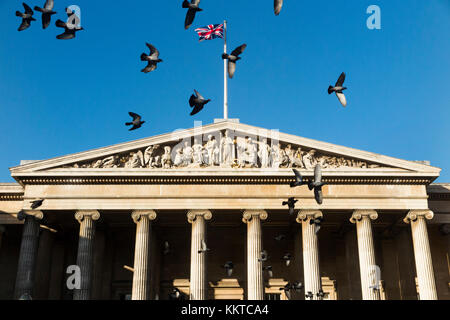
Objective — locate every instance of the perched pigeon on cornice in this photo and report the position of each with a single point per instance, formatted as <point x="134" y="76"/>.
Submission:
<point x="47" y="13"/>
<point x="232" y="58"/>
<point x="317" y="222"/>
<point x="263" y="256"/>
<point x="317" y="184"/>
<point x="269" y="271"/>
<point x="136" y="121"/>
<point x="192" y="7"/>
<point x="277" y="5"/>
<point x="36" y="203"/>
<point x="291" y="204"/>
<point x="229" y="268"/>
<point x="198" y="102"/>
<point x="152" y="58"/>
<point x="298" y="179"/>
<point x="69" y="33"/>
<point x="27" y="17"/>
<point x="338" y="88"/>
<point x="203" y="247"/>
<point x="287" y="258"/>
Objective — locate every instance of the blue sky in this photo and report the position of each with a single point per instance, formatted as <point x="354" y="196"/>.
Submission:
<point x="59" y="97"/>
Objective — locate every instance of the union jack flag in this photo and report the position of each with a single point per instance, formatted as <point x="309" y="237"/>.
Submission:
<point x="210" y="32"/>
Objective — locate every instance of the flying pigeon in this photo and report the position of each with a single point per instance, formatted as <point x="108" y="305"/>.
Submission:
<point x="198" y="102"/>
<point x="287" y="290"/>
<point x="47" y="12"/>
<point x="297" y="286"/>
<point x="317" y="184"/>
<point x="263" y="256"/>
<point x="291" y="204"/>
<point x="277" y="4"/>
<point x="280" y="237"/>
<point x="175" y="294"/>
<point x="317" y="223"/>
<point x="269" y="271"/>
<point x="309" y="295"/>
<point x="69" y="33"/>
<point x="298" y="179"/>
<point x="192" y="10"/>
<point x="27" y="17"/>
<point x="203" y="247"/>
<point x="136" y="121"/>
<point x="338" y="88"/>
<point x="320" y="294"/>
<point x="166" y="248"/>
<point x="232" y="58"/>
<point x="152" y="58"/>
<point x="36" y="203"/>
<point x="287" y="258"/>
<point x="228" y="267"/>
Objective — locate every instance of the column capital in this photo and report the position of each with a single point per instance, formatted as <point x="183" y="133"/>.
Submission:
<point x="33" y="213"/>
<point x="304" y="215"/>
<point x="192" y="215"/>
<point x="358" y="215"/>
<point x="413" y="215"/>
<point x="249" y="214"/>
<point x="136" y="215"/>
<point x="81" y="214"/>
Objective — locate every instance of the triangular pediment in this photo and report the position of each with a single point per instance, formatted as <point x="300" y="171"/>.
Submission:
<point x="223" y="146"/>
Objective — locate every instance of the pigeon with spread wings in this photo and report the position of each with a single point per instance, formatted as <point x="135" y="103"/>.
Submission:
<point x="197" y="102"/>
<point x="136" y="123"/>
<point x="47" y="12"/>
<point x="232" y="58"/>
<point x="338" y="88"/>
<point x="27" y="17"/>
<point x="317" y="184"/>
<point x="193" y="8"/>
<point x="69" y="32"/>
<point x="152" y="58"/>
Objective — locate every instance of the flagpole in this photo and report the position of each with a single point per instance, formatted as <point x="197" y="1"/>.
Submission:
<point x="225" y="79"/>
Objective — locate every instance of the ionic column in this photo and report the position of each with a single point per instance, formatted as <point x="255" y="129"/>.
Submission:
<point x="313" y="281"/>
<point x="198" y="284"/>
<point x="366" y="253"/>
<point x="28" y="253"/>
<point x="422" y="253"/>
<point x="87" y="219"/>
<point x="141" y="278"/>
<point x="255" y="277"/>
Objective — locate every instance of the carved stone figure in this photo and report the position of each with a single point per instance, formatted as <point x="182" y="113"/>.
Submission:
<point x="298" y="158"/>
<point x="210" y="147"/>
<point x="187" y="154"/>
<point x="276" y="156"/>
<point x="166" y="159"/>
<point x="227" y="146"/>
<point x="251" y="153"/>
<point x="309" y="159"/>
<point x="179" y="158"/>
<point x="197" y="152"/>
<point x="136" y="160"/>
<point x="149" y="156"/>
<point x="264" y="154"/>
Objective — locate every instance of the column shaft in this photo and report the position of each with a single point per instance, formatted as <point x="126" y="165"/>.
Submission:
<point x="422" y="254"/>
<point x="311" y="259"/>
<point x="27" y="256"/>
<point x="84" y="255"/>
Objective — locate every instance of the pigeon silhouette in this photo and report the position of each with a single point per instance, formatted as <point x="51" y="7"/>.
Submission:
<point x="232" y="58"/>
<point x="263" y="256"/>
<point x="287" y="290"/>
<point x="291" y="204"/>
<point x="193" y="8"/>
<point x="203" y="247"/>
<point x="317" y="184"/>
<point x="317" y="222"/>
<point x="197" y="102"/>
<point x="297" y="286"/>
<point x="320" y="294"/>
<point x="229" y="268"/>
<point x="287" y="258"/>
<point x="338" y="88"/>
<point x="27" y="17"/>
<point x="309" y="295"/>
<point x="277" y="5"/>
<point x="36" y="203"/>
<point x="298" y="179"/>
<point x="269" y="271"/>
<point x="69" y="33"/>
<point x="152" y="58"/>
<point x="47" y="12"/>
<point x="175" y="294"/>
<point x="136" y="121"/>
